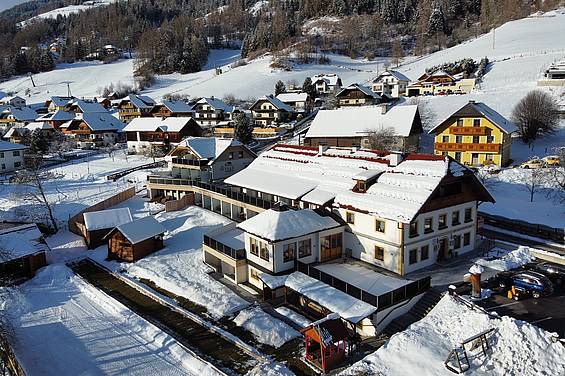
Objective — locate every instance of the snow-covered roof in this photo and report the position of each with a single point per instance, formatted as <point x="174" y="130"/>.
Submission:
<point x="15" y="131"/>
<point x="208" y="147"/>
<point x="216" y="103"/>
<point x="152" y="124"/>
<point x="476" y="109"/>
<point x="318" y="196"/>
<point x="101" y="121"/>
<point x="6" y="146"/>
<point x="346" y="306"/>
<point x="85" y="107"/>
<point x="229" y="235"/>
<point x="177" y="106"/>
<point x="21" y="240"/>
<point x="330" y="79"/>
<point x="359" y="121"/>
<point x="61" y="101"/>
<point x="106" y="219"/>
<point x="141" y="229"/>
<point x="58" y="115"/>
<point x="276" y="225"/>
<point x="292" y="97"/>
<point x="37" y="125"/>
<point x="364" y="89"/>
<point x="139" y="101"/>
<point x="279" y="105"/>
<point x="21" y="114"/>
<point x="399" y="76"/>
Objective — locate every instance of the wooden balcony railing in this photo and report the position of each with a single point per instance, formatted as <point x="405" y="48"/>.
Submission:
<point x="468" y="131"/>
<point x="451" y="146"/>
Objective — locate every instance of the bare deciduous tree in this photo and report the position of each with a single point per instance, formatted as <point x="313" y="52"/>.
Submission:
<point x="382" y="139"/>
<point x="536" y="115"/>
<point x="556" y="178"/>
<point x="532" y="181"/>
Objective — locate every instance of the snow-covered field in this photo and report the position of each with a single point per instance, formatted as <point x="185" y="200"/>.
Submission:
<point x="518" y="348"/>
<point x="66" y="327"/>
<point x="82" y="184"/>
<point x="265" y="327"/>
<point x="68" y="10"/>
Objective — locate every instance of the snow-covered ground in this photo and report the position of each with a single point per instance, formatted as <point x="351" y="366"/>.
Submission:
<point x="64" y="326"/>
<point x="82" y="184"/>
<point x="518" y="348"/>
<point x="68" y="10"/>
<point x="265" y="327"/>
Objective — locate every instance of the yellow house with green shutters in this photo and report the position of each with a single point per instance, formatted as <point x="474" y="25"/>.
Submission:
<point x="475" y="135"/>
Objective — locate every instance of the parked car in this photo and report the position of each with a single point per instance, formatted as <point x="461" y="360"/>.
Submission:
<point x="526" y="282"/>
<point x="556" y="273"/>
<point x="552" y="160"/>
<point x="533" y="163"/>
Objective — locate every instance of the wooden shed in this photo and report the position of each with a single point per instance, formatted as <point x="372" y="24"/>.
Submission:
<point x="23" y="251"/>
<point x="98" y="223"/>
<point x="134" y="240"/>
<point x="326" y="342"/>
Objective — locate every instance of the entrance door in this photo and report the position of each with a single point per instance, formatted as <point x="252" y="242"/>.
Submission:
<point x="442" y="251"/>
<point x="475" y="159"/>
<point x="330" y="247"/>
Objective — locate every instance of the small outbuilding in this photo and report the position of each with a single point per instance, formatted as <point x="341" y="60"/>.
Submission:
<point x="22" y="251"/>
<point x="326" y="342"/>
<point x="134" y="240"/>
<point x="98" y="223"/>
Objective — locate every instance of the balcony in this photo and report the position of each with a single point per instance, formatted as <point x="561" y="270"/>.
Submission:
<point x="468" y="131"/>
<point x="236" y="254"/>
<point x="451" y="146"/>
<point x="190" y="162"/>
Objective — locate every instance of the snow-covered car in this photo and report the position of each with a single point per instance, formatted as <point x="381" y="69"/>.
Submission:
<point x="533" y="163"/>
<point x="552" y="160"/>
<point x="526" y="283"/>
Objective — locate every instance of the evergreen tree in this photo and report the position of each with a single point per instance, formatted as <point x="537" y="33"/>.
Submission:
<point x="309" y="88"/>
<point x="436" y="22"/>
<point x="279" y="87"/>
<point x="39" y="143"/>
<point x="243" y="129"/>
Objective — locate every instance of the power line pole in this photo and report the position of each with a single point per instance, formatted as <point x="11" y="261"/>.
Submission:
<point x="31" y="78"/>
<point x="68" y="89"/>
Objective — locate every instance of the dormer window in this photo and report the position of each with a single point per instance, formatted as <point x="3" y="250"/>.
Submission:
<point x="361" y="187"/>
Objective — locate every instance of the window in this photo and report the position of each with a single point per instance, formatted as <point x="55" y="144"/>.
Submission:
<point x="455" y="218"/>
<point x="361" y="186"/>
<point x="17" y="164"/>
<point x="263" y="251"/>
<point x="304" y="248"/>
<point x="413" y="229"/>
<point x="16" y="153"/>
<point x="424" y="252"/>
<point x="466" y="238"/>
<point x="468" y="215"/>
<point x="459" y="139"/>
<point x="476" y="122"/>
<point x="289" y="250"/>
<point x="379" y="253"/>
<point x="413" y="257"/>
<point x="3" y="166"/>
<point x="476" y="139"/>
<point x="254" y="246"/>
<point x="230" y="155"/>
<point x="240" y="154"/>
<point x="442" y="221"/>
<point x="490" y="139"/>
<point x="254" y="274"/>
<point x="428" y="225"/>
<point x="459" y="122"/>
<point x="380" y="226"/>
<point x="445" y="139"/>
<point x="1" y="154"/>
<point x="458" y="156"/>
<point x="456" y="241"/>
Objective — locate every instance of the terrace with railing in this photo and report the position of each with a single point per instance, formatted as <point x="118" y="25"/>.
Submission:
<point x="236" y="254"/>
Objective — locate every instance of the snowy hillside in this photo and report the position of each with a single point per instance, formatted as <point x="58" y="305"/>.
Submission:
<point x="71" y="9"/>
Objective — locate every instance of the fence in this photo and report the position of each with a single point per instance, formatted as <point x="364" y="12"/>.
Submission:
<point x="525" y="228"/>
<point x="381" y="302"/>
<point x="181" y="203"/>
<point x="236" y="254"/>
<point x="76" y="222"/>
<point x="123" y="173"/>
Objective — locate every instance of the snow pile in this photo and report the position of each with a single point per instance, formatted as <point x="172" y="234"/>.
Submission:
<point x="512" y="260"/>
<point x="270" y="369"/>
<point x="518" y="348"/>
<point x="87" y="332"/>
<point x="265" y="327"/>
<point x="294" y="316"/>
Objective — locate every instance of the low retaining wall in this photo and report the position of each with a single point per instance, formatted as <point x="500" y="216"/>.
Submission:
<point x="181" y="203"/>
<point x="76" y="222"/>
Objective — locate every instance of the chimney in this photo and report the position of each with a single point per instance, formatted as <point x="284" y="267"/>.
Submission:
<point x="395" y="158"/>
<point x="471" y="101"/>
<point x="384" y="108"/>
<point x="322" y="149"/>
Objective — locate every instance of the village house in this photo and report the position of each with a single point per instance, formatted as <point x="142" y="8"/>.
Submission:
<point x="132" y="241"/>
<point x="440" y="83"/>
<point x="300" y="102"/>
<point x="269" y="111"/>
<point x="16" y="134"/>
<point x="556" y="71"/>
<point x="326" y="83"/>
<point x="11" y="116"/>
<point x="172" y="109"/>
<point x="475" y="135"/>
<point x="355" y="126"/>
<point x="203" y="159"/>
<point x="58" y="103"/>
<point x="80" y="107"/>
<point x="11" y="156"/>
<point x="94" y="130"/>
<point x="15" y="101"/>
<point x="357" y="95"/>
<point x="97" y="224"/>
<point x="210" y="111"/>
<point x="134" y="106"/>
<point x="56" y="118"/>
<point x="24" y="251"/>
<point x="159" y="134"/>
<point x="390" y="83"/>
